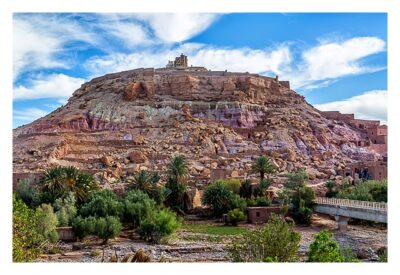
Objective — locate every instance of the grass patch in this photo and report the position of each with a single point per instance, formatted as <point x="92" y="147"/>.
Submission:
<point x="214" y="230"/>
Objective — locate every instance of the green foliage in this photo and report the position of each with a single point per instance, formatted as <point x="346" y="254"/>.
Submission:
<point x="27" y="240"/>
<point x="107" y="228"/>
<point x="372" y="190"/>
<point x="58" y="181"/>
<point x="176" y="186"/>
<point x="324" y="248"/>
<point x="349" y="256"/>
<point x="261" y="188"/>
<point x="220" y="198"/>
<point x="83" y="227"/>
<point x="47" y="222"/>
<point x="236" y="215"/>
<point x="147" y="182"/>
<point x="66" y="209"/>
<point x="262" y="201"/>
<point x="263" y="165"/>
<point x="298" y="196"/>
<point x="28" y="192"/>
<point x="383" y="255"/>
<point x="161" y="224"/>
<point x="246" y="189"/>
<point x="138" y="207"/>
<point x="104" y="227"/>
<point x="214" y="230"/>
<point x="276" y="241"/>
<point x="232" y="184"/>
<point x="332" y="189"/>
<point x="101" y="204"/>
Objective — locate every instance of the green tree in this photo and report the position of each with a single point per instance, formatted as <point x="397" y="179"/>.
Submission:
<point x="246" y="189"/>
<point x="65" y="209"/>
<point x="219" y="197"/>
<point x="101" y="204"/>
<point x="27" y="240"/>
<point x="324" y="248"/>
<point x="58" y="181"/>
<point x="47" y="222"/>
<point x="147" y="182"/>
<point x="275" y="242"/>
<point x="176" y="186"/>
<point x="236" y="215"/>
<point x="332" y="189"/>
<point x="107" y="228"/>
<point x="28" y="192"/>
<point x="263" y="165"/>
<point x="138" y="207"/>
<point x="156" y="227"/>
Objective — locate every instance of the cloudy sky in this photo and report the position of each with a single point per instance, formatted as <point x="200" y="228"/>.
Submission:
<point x="337" y="61"/>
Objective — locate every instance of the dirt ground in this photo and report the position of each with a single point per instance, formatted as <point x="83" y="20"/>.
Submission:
<point x="189" y="246"/>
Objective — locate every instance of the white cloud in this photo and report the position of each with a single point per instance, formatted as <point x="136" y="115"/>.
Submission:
<point x="50" y="86"/>
<point x="332" y="60"/>
<point x="177" y="27"/>
<point x="240" y="60"/>
<point x="29" y="114"/>
<point x="369" y="105"/>
<point x="39" y="39"/>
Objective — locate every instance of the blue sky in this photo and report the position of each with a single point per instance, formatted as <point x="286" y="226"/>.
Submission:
<point x="337" y="61"/>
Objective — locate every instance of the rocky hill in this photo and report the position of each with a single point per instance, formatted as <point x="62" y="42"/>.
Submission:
<point x="138" y="119"/>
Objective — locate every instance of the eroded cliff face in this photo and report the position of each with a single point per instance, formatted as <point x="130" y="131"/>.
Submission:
<point x="216" y="119"/>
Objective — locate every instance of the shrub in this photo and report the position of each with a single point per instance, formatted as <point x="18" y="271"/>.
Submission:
<point x="83" y="227"/>
<point x="101" y="204"/>
<point x="28" y="192"/>
<point x="348" y="255"/>
<point x="146" y="182"/>
<point x="47" y="222"/>
<point x="261" y="188"/>
<point x="66" y="209"/>
<point x="27" y="240"/>
<point x="262" y="201"/>
<point x="236" y="215"/>
<point x="161" y="224"/>
<point x="371" y="190"/>
<point x="138" y="207"/>
<point x="232" y="184"/>
<point x="107" y="228"/>
<point x="324" y="248"/>
<point x="220" y="199"/>
<point x="332" y="189"/>
<point x="276" y="241"/>
<point x="246" y="189"/>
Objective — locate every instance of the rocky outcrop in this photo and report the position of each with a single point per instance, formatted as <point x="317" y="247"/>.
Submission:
<point x="218" y="120"/>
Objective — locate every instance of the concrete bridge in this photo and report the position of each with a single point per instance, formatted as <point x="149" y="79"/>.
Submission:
<point x="343" y="210"/>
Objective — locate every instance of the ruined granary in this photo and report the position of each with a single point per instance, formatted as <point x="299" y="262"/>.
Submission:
<point x="124" y="122"/>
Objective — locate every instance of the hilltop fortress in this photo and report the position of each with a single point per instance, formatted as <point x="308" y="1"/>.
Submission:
<point x="121" y="123"/>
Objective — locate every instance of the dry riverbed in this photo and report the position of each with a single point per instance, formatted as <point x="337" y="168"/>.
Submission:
<point x="206" y="241"/>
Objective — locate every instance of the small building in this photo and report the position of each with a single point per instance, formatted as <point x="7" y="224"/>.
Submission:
<point x="258" y="215"/>
<point x="375" y="170"/>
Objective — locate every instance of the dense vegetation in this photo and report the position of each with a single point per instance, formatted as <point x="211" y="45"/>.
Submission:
<point x="371" y="190"/>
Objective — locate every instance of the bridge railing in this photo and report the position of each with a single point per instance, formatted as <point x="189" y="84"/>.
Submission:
<point x="352" y="203"/>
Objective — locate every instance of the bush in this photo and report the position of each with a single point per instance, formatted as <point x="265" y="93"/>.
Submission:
<point x="83" y="227"/>
<point x="371" y="190"/>
<point x="66" y="209"/>
<point x="232" y="184"/>
<point x="324" y="248"/>
<point x="28" y="192"/>
<point x="220" y="199"/>
<point x="163" y="223"/>
<point x="235" y="216"/>
<point x="138" y="207"/>
<point x="332" y="189"/>
<point x="104" y="227"/>
<point x="246" y="189"/>
<point x="261" y="188"/>
<point x="107" y="228"/>
<point x="348" y="255"/>
<point x="262" y="201"/>
<point x="27" y="240"/>
<point x="276" y="241"/>
<point x="102" y="204"/>
<point x="47" y="222"/>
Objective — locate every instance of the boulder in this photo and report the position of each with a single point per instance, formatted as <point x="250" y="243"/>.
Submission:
<point x="137" y="157"/>
<point x="107" y="161"/>
<point x="138" y="140"/>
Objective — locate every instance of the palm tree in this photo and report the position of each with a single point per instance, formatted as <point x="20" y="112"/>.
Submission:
<point x="178" y="168"/>
<point x="263" y="166"/>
